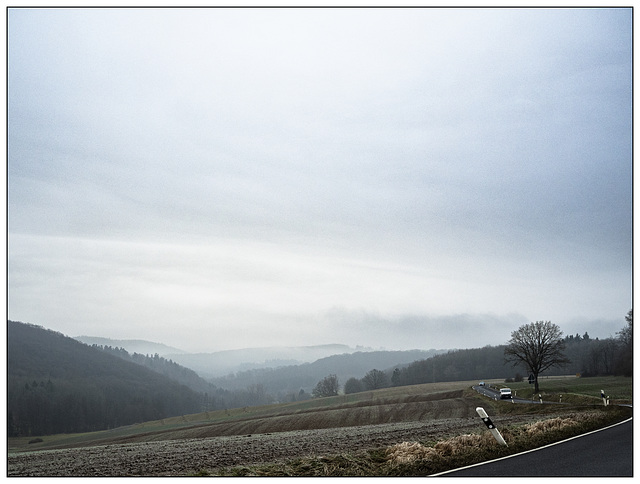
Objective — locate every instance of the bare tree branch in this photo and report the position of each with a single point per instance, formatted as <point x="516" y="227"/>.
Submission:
<point x="537" y="346"/>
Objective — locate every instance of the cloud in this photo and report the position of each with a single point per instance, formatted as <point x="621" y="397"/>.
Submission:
<point x="252" y="168"/>
<point x="422" y="331"/>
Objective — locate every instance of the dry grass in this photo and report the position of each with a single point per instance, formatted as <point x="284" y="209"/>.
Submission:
<point x="408" y="452"/>
<point x="414" y="458"/>
<point x="557" y="423"/>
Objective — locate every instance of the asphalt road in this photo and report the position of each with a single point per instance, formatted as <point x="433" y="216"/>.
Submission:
<point x="495" y="395"/>
<point x="603" y="453"/>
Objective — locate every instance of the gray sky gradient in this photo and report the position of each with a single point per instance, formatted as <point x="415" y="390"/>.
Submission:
<point x="398" y="178"/>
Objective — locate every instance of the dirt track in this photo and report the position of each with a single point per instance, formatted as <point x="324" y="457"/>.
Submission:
<point x="188" y="456"/>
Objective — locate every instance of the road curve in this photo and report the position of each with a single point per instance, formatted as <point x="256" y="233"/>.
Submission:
<point x="495" y="395"/>
<point x="603" y="453"/>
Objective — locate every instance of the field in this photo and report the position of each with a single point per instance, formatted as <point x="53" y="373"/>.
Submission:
<point x="247" y="441"/>
<point x="584" y="389"/>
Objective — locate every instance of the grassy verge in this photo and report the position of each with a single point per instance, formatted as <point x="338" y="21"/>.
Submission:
<point x="578" y="390"/>
<point x="423" y="458"/>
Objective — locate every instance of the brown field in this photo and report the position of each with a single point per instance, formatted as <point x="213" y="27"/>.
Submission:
<point x="212" y="441"/>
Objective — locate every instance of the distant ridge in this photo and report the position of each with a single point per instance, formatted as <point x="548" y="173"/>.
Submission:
<point x="131" y="345"/>
<point x="222" y="363"/>
<point x="285" y="379"/>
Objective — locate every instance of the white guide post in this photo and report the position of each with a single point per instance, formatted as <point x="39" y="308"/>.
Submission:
<point x="487" y="421"/>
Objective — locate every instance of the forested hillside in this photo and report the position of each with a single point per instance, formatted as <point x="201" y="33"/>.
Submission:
<point x="369" y="370"/>
<point x="222" y="363"/>
<point x="163" y="366"/>
<point x="285" y="381"/>
<point x="139" y="346"/>
<point x="588" y="357"/>
<point x="472" y="364"/>
<point x="57" y="384"/>
<point x="594" y="356"/>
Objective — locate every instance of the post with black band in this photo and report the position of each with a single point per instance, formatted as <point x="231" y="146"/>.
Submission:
<point x="487" y="421"/>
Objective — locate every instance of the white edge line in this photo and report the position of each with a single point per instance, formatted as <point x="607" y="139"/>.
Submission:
<point x="531" y="450"/>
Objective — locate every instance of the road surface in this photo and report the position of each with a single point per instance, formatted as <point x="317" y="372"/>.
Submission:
<point x="603" y="453"/>
<point x="495" y="395"/>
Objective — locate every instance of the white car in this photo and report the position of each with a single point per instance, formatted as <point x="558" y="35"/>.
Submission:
<point x="505" y="393"/>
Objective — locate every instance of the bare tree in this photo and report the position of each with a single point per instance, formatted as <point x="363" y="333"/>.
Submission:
<point x="625" y="335"/>
<point x="624" y="364"/>
<point x="327" y="387"/>
<point x="538" y="346"/>
<point x="375" y="379"/>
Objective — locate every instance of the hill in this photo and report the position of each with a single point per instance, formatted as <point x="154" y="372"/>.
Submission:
<point x="132" y="345"/>
<point x="292" y="378"/>
<point x="57" y="384"/>
<point x="165" y="367"/>
<point x="220" y="363"/>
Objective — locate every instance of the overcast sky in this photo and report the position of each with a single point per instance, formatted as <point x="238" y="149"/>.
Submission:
<point x="399" y="178"/>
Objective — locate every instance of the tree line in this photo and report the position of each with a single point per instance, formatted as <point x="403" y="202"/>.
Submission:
<point x="556" y="355"/>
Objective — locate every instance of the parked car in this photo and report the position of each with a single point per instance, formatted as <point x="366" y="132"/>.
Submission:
<point x="481" y="384"/>
<point x="505" y="393"/>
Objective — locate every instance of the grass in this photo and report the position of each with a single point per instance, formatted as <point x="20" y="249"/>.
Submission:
<point x="578" y="390"/>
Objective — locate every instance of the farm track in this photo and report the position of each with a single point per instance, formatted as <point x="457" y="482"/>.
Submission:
<point x="282" y="436"/>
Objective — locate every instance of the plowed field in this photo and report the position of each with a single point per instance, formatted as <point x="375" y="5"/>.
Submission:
<point x="285" y="433"/>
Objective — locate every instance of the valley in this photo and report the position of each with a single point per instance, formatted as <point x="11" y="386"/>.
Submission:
<point x="79" y="410"/>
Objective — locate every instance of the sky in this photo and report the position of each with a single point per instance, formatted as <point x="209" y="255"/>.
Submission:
<point x="217" y="179"/>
